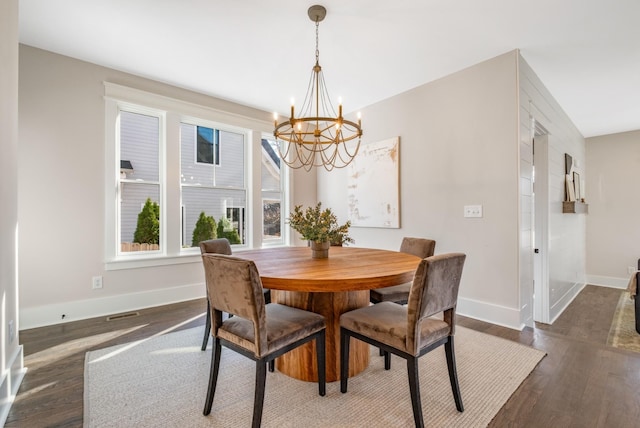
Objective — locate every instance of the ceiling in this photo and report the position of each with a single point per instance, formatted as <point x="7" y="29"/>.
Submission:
<point x="260" y="52"/>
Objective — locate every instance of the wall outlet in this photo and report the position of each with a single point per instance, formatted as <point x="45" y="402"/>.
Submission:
<point x="12" y="331"/>
<point x="631" y="270"/>
<point x="473" y="210"/>
<point x="96" y="282"/>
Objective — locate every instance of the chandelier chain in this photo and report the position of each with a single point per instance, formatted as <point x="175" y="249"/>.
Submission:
<point x="317" y="48"/>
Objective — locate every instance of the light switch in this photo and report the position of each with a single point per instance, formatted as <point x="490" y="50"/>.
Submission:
<point x="473" y="210"/>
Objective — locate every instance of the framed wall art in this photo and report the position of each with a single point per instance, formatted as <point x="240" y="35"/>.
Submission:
<point x="373" y="187"/>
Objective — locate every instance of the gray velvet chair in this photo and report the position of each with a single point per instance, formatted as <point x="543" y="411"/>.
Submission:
<point x="399" y="294"/>
<point x="420" y="247"/>
<point x="219" y="246"/>
<point x="214" y="246"/>
<point x="411" y="331"/>
<point x="257" y="330"/>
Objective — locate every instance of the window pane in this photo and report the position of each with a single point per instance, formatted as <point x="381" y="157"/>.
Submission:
<point x="228" y="152"/>
<point x="271" y="220"/>
<point x="226" y="206"/>
<point x="230" y="172"/>
<point x="139" y="188"/>
<point x="271" y="192"/>
<point x="132" y="218"/>
<point x="139" y="144"/>
<point x="207" y="147"/>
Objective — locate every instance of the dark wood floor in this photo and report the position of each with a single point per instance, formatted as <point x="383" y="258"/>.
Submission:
<point x="580" y="383"/>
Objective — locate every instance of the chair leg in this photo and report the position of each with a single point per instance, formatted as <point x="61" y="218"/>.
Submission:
<point x="213" y="375"/>
<point x="258" y="401"/>
<point x="272" y="365"/>
<point x="207" y="327"/>
<point x="322" y="366"/>
<point x="344" y="359"/>
<point x="453" y="374"/>
<point x="414" y="389"/>
<point x="387" y="360"/>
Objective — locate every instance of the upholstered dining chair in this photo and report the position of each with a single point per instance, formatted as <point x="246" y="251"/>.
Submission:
<point x="399" y="294"/>
<point x="219" y="246"/>
<point x="420" y="247"/>
<point x="215" y="246"/>
<point x="411" y="331"/>
<point x="257" y="330"/>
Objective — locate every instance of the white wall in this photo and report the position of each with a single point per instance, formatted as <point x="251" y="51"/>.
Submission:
<point x="458" y="146"/>
<point x="11" y="364"/>
<point x="567" y="245"/>
<point x="61" y="186"/>
<point x="613" y="230"/>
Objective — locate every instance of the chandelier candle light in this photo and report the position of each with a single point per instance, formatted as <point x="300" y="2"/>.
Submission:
<point x="319" y="137"/>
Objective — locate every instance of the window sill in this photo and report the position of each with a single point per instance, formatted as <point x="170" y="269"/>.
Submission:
<point x="144" y="261"/>
<point x="151" y="261"/>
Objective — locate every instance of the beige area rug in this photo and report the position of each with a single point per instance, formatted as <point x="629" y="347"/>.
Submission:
<point x="162" y="382"/>
<point x="623" y="332"/>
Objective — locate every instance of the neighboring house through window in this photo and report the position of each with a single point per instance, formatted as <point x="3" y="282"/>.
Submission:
<point x="213" y="190"/>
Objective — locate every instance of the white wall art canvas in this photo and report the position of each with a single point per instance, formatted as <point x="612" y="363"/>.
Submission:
<point x="373" y="185"/>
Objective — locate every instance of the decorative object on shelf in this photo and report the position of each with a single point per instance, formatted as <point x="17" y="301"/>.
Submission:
<point x="319" y="136"/>
<point x="576" y="186"/>
<point x="570" y="189"/>
<point x="319" y="227"/>
<point x="574" y="202"/>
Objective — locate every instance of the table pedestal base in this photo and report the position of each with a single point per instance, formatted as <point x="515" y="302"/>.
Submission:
<point x="300" y="363"/>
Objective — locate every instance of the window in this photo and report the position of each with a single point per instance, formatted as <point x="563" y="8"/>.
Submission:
<point x="207" y="145"/>
<point x="168" y="162"/>
<point x="213" y="191"/>
<point x="271" y="178"/>
<point x="139" y="189"/>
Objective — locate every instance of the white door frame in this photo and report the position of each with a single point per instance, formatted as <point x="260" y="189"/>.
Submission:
<point x="541" y="228"/>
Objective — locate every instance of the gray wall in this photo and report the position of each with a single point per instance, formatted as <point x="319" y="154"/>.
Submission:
<point x="458" y="146"/>
<point x="464" y="140"/>
<point x="461" y="144"/>
<point x="613" y="231"/>
<point x="61" y="182"/>
<point x="11" y="369"/>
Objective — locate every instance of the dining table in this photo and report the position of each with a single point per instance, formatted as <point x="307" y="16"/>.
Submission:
<point x="328" y="286"/>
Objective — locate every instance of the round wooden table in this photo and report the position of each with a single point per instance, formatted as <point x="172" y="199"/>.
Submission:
<point x="329" y="287"/>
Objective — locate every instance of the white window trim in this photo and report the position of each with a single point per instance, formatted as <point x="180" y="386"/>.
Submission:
<point x="174" y="111"/>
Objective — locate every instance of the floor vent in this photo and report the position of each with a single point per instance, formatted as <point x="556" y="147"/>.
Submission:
<point x="120" y="316"/>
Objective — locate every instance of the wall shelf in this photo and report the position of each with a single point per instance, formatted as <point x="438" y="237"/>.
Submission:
<point x="575" y="207"/>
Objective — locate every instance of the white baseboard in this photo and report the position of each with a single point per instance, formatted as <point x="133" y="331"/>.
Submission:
<point x="608" y="281"/>
<point x="11" y="380"/>
<point x="90" y="308"/>
<point x="556" y="310"/>
<point x="489" y="312"/>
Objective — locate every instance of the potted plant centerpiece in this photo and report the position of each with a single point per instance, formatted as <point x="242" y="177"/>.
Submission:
<point x="319" y="227"/>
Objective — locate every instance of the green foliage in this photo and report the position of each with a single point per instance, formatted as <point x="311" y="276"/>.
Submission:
<point x="226" y="230"/>
<point x="205" y="229"/>
<point x="316" y="224"/>
<point x="148" y="227"/>
<point x="271" y="218"/>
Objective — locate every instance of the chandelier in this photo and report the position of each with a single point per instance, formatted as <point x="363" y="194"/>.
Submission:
<point x="319" y="136"/>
